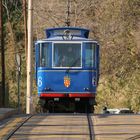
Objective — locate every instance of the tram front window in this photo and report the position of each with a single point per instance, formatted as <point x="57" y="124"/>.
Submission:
<point x="67" y="55"/>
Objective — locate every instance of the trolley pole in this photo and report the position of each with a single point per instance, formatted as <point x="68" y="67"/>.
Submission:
<point x="29" y="58"/>
<point x="2" y="54"/>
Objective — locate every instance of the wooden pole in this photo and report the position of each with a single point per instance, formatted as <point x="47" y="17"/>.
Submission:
<point x="29" y="58"/>
<point x="25" y="25"/>
<point x="2" y="54"/>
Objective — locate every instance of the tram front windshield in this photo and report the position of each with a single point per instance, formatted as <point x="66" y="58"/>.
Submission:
<point x="67" y="55"/>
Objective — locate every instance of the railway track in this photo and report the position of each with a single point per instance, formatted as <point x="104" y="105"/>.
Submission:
<point x="77" y="127"/>
<point x="54" y="126"/>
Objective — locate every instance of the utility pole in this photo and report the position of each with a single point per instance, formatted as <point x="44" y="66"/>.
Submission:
<point x="29" y="58"/>
<point x="2" y="54"/>
<point x="25" y="25"/>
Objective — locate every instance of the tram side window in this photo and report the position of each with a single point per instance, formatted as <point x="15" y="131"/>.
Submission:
<point x="44" y="55"/>
<point x="89" y="55"/>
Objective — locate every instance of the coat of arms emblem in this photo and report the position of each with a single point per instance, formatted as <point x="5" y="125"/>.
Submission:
<point x="67" y="81"/>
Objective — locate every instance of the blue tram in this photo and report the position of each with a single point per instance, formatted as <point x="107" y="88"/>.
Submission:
<point x="67" y="70"/>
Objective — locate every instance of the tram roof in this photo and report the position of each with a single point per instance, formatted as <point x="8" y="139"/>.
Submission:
<point x="60" y="40"/>
<point x="67" y="31"/>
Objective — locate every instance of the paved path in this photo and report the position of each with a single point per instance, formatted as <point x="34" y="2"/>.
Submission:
<point x="117" y="127"/>
<point x="55" y="127"/>
<point x="75" y="127"/>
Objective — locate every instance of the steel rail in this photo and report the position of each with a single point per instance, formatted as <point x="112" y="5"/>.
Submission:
<point x="134" y="137"/>
<point x="90" y="126"/>
<point x="17" y="128"/>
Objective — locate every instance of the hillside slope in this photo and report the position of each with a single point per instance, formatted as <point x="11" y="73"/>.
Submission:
<point x="115" y="23"/>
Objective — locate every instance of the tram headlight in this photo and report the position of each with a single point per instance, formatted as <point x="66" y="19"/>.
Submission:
<point x="47" y="89"/>
<point x="86" y="89"/>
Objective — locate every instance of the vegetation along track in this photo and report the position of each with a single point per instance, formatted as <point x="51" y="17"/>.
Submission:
<point x="54" y="126"/>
